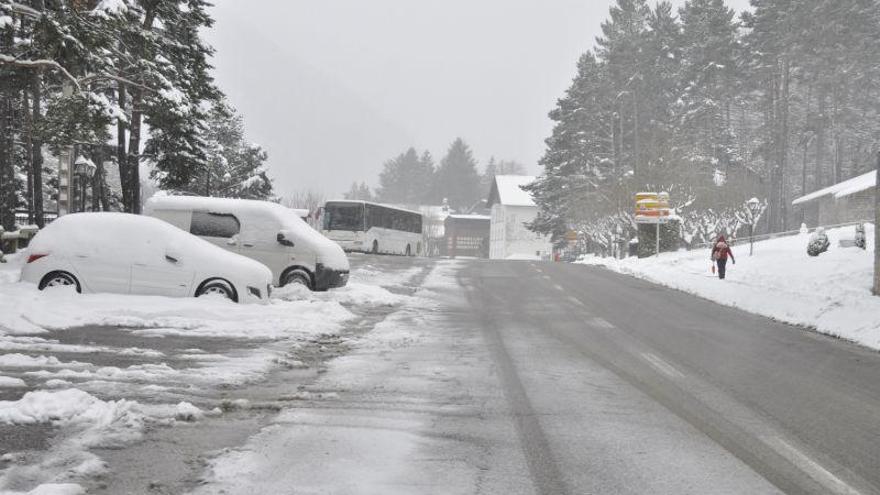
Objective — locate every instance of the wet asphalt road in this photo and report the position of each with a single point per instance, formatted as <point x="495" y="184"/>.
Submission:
<point x="793" y="408"/>
<point x="606" y="384"/>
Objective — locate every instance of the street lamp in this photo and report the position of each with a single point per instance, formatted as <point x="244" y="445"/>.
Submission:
<point x="85" y="170"/>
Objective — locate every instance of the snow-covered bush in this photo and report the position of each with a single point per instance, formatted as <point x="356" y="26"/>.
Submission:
<point x="818" y="242"/>
<point x="861" y="239"/>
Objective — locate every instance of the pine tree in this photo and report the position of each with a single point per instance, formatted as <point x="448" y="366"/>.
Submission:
<point x="164" y="81"/>
<point x="581" y="157"/>
<point x="359" y="192"/>
<point x="457" y="179"/>
<point x="233" y="167"/>
<point x="407" y="179"/>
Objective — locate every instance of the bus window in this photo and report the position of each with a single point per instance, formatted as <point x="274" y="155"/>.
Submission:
<point x="344" y="217"/>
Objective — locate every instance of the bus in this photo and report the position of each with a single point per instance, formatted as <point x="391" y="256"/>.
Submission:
<point x="373" y="228"/>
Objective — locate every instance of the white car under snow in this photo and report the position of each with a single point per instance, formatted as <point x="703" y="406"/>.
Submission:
<point x="131" y="254"/>
<point x="261" y="230"/>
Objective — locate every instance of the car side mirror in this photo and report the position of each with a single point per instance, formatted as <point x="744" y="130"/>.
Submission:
<point x="283" y="240"/>
<point x="232" y="241"/>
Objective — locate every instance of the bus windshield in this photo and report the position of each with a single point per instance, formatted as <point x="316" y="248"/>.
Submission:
<point x="344" y="217"/>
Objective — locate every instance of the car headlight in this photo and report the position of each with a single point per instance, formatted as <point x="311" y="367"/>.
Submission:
<point x="255" y="292"/>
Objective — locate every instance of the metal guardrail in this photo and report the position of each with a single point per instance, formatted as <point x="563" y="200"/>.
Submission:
<point x="774" y="235"/>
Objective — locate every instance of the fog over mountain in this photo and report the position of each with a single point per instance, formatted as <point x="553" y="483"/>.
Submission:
<point x="333" y="89"/>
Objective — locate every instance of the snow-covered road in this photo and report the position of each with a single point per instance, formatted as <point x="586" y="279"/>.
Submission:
<point x="441" y="377"/>
<point x="81" y="374"/>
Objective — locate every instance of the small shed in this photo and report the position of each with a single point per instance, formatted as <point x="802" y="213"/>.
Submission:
<point x="511" y="209"/>
<point x="849" y="201"/>
<point x="466" y="235"/>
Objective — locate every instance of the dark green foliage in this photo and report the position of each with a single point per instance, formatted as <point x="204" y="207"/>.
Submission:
<point x="406" y="179"/>
<point x="232" y="167"/>
<point x="457" y="179"/>
<point x="716" y="110"/>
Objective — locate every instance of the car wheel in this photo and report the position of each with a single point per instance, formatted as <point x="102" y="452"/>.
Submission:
<point x="59" y="279"/>
<point x="298" y="276"/>
<point x="375" y="247"/>
<point x="218" y="287"/>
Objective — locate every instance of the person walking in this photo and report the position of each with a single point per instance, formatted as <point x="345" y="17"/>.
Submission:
<point x="720" y="252"/>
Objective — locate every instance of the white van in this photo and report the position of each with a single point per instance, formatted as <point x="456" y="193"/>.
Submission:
<point x="267" y="232"/>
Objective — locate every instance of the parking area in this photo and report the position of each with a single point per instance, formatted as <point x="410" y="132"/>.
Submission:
<point x="166" y="378"/>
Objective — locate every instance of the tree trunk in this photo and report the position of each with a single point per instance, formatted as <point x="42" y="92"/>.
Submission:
<point x="772" y="118"/>
<point x="29" y="153"/>
<point x="818" y="179"/>
<point x="37" y="154"/>
<point x="133" y="157"/>
<point x="121" y="151"/>
<point x="783" y="143"/>
<point x="7" y="174"/>
<point x="98" y="184"/>
<point x="637" y="165"/>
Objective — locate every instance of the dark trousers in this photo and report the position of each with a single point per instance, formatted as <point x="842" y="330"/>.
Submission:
<point x="722" y="267"/>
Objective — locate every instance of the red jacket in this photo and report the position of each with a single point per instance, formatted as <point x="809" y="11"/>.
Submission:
<point x="721" y="250"/>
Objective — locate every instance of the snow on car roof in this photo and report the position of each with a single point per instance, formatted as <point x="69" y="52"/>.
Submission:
<point x="842" y="189"/>
<point x="208" y="203"/>
<point x="507" y="190"/>
<point x="118" y="236"/>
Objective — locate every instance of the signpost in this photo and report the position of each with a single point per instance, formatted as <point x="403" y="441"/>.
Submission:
<point x="653" y="208"/>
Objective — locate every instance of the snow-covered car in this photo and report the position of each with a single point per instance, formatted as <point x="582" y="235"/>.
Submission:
<point x="132" y="254"/>
<point x="266" y="232"/>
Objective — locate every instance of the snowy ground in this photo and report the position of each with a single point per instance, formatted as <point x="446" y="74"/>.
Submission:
<point x="373" y="416"/>
<point x="81" y="374"/>
<point x="830" y="293"/>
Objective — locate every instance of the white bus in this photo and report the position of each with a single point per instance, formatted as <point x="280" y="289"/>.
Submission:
<point x="373" y="228"/>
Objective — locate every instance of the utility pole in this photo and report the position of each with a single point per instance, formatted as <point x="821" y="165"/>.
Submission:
<point x="877" y="230"/>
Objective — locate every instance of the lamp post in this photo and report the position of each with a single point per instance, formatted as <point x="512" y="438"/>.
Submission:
<point x="85" y="170"/>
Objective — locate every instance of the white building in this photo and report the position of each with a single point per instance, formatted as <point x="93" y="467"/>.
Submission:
<point x="511" y="209"/>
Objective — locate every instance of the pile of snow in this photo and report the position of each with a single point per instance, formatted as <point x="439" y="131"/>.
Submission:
<point x="376" y="276"/>
<point x="831" y="292"/>
<point x="87" y="422"/>
<point x="25" y="310"/>
<point x="372" y="451"/>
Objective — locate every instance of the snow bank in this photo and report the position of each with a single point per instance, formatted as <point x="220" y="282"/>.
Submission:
<point x="831" y="293"/>
<point x="11" y="382"/>
<point x="85" y="422"/>
<point x="25" y="310"/>
<point x="372" y="451"/>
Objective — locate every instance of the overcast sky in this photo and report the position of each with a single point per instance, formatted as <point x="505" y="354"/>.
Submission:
<point x="333" y="88"/>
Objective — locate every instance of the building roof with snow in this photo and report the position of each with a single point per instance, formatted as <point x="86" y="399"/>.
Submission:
<point x="507" y="190"/>
<point x="842" y="189"/>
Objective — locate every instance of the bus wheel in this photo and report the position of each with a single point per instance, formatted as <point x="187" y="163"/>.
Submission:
<point x="375" y="247"/>
<point x="408" y="250"/>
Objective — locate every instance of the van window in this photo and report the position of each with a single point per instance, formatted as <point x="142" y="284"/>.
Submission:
<point x="208" y="224"/>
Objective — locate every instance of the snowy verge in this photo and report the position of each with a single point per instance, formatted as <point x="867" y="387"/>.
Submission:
<point x="830" y="293"/>
<point x="377" y="451"/>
